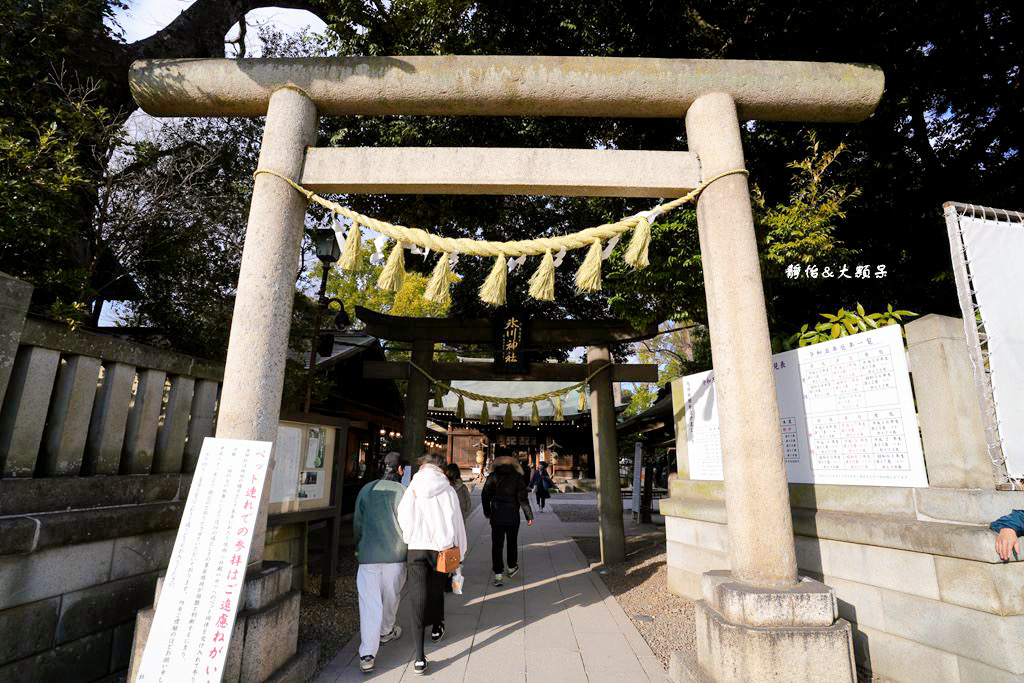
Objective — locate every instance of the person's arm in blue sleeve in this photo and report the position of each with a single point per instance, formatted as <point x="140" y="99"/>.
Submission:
<point x="1014" y="520"/>
<point x="1007" y="529"/>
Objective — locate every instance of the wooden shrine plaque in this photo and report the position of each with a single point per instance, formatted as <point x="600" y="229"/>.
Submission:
<point x="510" y="333"/>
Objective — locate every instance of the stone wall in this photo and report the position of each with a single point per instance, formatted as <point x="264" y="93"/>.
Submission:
<point x="287" y="544"/>
<point x="70" y="589"/>
<point x="914" y="570"/>
<point x="98" y="439"/>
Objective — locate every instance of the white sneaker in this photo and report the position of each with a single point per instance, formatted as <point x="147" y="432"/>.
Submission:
<point x="498" y="579"/>
<point x="511" y="571"/>
<point x="394" y="634"/>
<point x="366" y="664"/>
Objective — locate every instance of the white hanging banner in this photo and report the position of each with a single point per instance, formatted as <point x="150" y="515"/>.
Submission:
<point x="846" y="411"/>
<point x="995" y="251"/>
<point x="195" y="614"/>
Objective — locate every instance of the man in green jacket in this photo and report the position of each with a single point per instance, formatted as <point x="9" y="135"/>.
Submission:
<point x="381" y="553"/>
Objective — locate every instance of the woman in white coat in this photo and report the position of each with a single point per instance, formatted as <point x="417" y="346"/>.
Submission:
<point x="431" y="521"/>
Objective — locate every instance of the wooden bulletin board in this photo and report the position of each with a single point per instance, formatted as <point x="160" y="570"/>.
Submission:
<point x="304" y="455"/>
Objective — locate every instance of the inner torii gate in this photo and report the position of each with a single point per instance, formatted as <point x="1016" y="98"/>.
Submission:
<point x="740" y="630"/>
<point x="423" y="333"/>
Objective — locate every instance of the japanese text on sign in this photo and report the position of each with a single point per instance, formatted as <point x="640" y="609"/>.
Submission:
<point x="191" y="629"/>
<point x="846" y="414"/>
<point x="510" y="340"/>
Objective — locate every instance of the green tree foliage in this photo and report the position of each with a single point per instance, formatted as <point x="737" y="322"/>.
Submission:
<point x="845" y="323"/>
<point x="174" y="212"/>
<point x="948" y="127"/>
<point x="56" y="131"/>
<point x="800" y="229"/>
<point x="359" y="288"/>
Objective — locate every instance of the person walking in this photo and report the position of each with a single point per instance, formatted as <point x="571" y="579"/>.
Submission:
<point x="381" y="553"/>
<point x="461" y="490"/>
<point x="431" y="521"/>
<point x="541" y="484"/>
<point x="465" y="503"/>
<point x="504" y="495"/>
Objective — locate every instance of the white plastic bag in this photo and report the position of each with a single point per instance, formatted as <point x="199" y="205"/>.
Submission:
<point x="457" y="580"/>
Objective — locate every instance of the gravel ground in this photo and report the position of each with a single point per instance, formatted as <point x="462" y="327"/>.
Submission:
<point x="640" y="585"/>
<point x="575" y="513"/>
<point x="333" y="622"/>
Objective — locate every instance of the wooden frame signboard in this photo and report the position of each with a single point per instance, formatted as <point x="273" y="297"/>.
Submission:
<point x="303" y="471"/>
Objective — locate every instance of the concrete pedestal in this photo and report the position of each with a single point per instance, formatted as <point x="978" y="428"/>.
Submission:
<point x="767" y="634"/>
<point x="264" y="640"/>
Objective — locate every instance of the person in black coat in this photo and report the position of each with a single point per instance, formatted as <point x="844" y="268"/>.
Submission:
<point x="503" y="497"/>
<point x="541" y="484"/>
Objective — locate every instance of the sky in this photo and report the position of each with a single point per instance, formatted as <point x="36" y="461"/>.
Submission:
<point x="143" y="18"/>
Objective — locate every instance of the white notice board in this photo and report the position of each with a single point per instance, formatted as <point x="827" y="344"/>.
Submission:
<point x="284" y="486"/>
<point x="846" y="412"/>
<point x="303" y="460"/>
<point x="191" y="629"/>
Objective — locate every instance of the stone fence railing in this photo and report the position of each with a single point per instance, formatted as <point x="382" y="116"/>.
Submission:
<point x="77" y="405"/>
<point x="81" y="404"/>
<point x="98" y="441"/>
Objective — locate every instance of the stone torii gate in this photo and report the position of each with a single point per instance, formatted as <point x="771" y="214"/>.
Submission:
<point x="422" y="333"/>
<point x="758" y="623"/>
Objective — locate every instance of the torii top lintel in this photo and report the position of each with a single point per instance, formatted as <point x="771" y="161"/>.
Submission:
<point x="542" y="333"/>
<point x="509" y="86"/>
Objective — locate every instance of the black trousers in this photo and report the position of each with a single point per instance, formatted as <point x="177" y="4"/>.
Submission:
<point x="541" y="497"/>
<point x="508" y="536"/>
<point x="426" y="594"/>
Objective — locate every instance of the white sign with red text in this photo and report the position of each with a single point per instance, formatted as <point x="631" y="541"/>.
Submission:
<point x="846" y="414"/>
<point x="191" y="629"/>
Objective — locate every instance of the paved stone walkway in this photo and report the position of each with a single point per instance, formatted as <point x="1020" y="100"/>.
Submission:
<point x="554" y="621"/>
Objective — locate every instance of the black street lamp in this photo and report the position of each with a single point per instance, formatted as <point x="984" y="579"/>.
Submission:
<point x="328" y="251"/>
<point x="327" y="248"/>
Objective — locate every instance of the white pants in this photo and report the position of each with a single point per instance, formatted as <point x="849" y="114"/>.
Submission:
<point x="379" y="587"/>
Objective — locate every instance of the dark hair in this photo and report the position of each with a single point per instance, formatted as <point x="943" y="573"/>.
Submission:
<point x="453" y="472"/>
<point x="431" y="459"/>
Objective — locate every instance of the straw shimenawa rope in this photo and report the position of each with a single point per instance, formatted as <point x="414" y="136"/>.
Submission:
<point x="588" y="278"/>
<point x="555" y="395"/>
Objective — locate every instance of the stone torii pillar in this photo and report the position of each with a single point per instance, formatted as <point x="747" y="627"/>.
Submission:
<point x="757" y="623"/>
<point x="250" y="404"/>
<point x="763" y="554"/>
